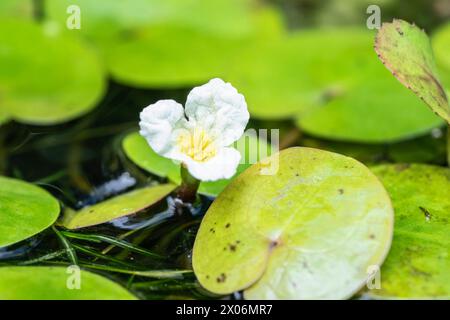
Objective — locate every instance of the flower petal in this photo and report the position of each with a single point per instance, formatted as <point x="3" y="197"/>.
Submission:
<point x="219" y="109"/>
<point x="221" y="166"/>
<point x="160" y="124"/>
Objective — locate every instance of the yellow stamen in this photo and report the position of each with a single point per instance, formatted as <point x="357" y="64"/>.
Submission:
<point x="197" y="145"/>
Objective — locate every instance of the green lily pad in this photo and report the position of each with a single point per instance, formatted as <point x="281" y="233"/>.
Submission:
<point x="369" y="106"/>
<point x="148" y="59"/>
<point x="68" y="82"/>
<point x="119" y="206"/>
<point x="419" y="261"/>
<point x="138" y="151"/>
<point x="51" y="283"/>
<point x="406" y="51"/>
<point x="310" y="231"/>
<point x="25" y="210"/>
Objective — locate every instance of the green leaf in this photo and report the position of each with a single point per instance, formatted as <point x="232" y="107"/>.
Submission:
<point x="138" y="151"/>
<point x="367" y="104"/>
<point x="123" y="205"/>
<point x="191" y="56"/>
<point x="418" y="264"/>
<point x="310" y="231"/>
<point x="406" y="51"/>
<point x="51" y="283"/>
<point x="68" y="82"/>
<point x="145" y="58"/>
<point x="25" y="210"/>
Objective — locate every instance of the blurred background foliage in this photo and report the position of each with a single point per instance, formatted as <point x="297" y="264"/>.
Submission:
<point x="70" y="99"/>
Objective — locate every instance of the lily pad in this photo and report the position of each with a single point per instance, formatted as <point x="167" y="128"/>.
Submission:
<point x="406" y="51"/>
<point x="418" y="264"/>
<point x="51" y="283"/>
<point x="137" y="149"/>
<point x="25" y="210"/>
<point x="149" y="59"/>
<point x="308" y="232"/>
<point x="119" y="206"/>
<point x="146" y="58"/>
<point x="364" y="106"/>
<point x="68" y="82"/>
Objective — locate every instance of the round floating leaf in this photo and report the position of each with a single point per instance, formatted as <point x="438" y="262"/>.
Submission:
<point x="119" y="206"/>
<point x="406" y="51"/>
<point x="370" y="107"/>
<point x="25" y="210"/>
<point x="418" y="264"/>
<point x="309" y="231"/>
<point x="174" y="55"/>
<point x="137" y="149"/>
<point x="53" y="283"/>
<point x="169" y="56"/>
<point x="57" y="80"/>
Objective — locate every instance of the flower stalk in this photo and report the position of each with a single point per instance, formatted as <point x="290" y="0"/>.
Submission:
<point x="187" y="192"/>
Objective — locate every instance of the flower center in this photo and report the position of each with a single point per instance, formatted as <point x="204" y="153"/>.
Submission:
<point x="197" y="145"/>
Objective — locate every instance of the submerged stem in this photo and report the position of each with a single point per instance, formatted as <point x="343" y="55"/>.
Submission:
<point x="187" y="191"/>
<point x="71" y="254"/>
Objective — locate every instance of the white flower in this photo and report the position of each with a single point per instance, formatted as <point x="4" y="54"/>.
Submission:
<point x="200" y="136"/>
